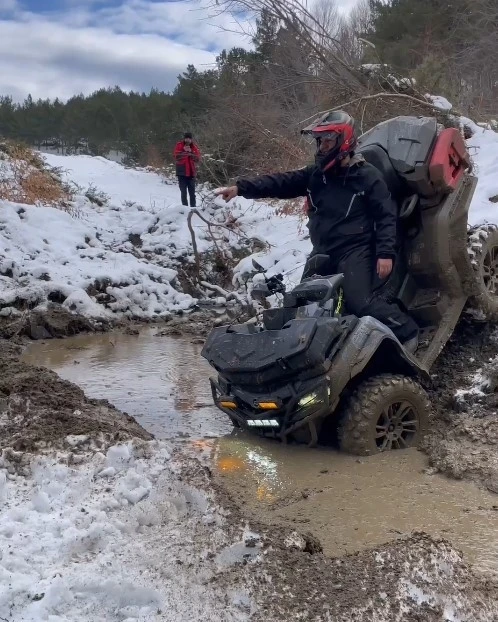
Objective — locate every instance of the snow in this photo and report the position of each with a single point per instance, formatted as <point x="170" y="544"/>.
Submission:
<point x="480" y="383"/>
<point x="122" y="258"/>
<point x="483" y="147"/>
<point x="121" y="184"/>
<point x="132" y="545"/>
<point x="48" y="251"/>
<point x="440" y="102"/>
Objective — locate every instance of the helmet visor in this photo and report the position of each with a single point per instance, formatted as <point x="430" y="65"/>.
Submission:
<point x="325" y="134"/>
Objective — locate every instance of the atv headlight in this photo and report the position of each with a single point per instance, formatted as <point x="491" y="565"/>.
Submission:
<point x="264" y="423"/>
<point x="310" y="400"/>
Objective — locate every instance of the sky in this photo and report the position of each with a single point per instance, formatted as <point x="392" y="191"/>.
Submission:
<point x="59" y="48"/>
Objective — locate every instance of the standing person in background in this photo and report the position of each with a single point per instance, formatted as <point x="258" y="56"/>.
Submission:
<point x="187" y="155"/>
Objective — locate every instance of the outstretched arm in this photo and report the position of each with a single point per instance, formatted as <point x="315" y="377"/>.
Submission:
<point x="278" y="186"/>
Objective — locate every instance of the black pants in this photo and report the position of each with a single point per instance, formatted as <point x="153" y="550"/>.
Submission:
<point x="361" y="290"/>
<point x="187" y="183"/>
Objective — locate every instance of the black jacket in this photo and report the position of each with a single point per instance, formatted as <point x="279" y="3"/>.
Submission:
<point x="348" y="208"/>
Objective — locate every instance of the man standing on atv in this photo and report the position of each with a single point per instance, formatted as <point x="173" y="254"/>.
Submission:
<point x="186" y="155"/>
<point x="352" y="218"/>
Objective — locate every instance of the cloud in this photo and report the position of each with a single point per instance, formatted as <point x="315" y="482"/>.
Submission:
<point x="133" y="45"/>
<point x="7" y="6"/>
<point x="79" y="46"/>
<point x="345" y="6"/>
<point x="55" y="60"/>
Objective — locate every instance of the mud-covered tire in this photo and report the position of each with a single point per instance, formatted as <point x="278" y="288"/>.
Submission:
<point x="375" y="402"/>
<point x="483" y="252"/>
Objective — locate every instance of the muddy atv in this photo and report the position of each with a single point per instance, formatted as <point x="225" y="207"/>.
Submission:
<point x="312" y="368"/>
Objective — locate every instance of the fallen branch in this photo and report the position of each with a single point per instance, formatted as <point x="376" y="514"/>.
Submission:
<point x="215" y="288"/>
<point x="228" y="295"/>
<point x="194" y="241"/>
<point x="366" y="98"/>
<point x="209" y="224"/>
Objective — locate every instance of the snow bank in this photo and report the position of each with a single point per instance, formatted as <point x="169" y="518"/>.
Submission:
<point x="440" y="102"/>
<point x="117" y="538"/>
<point x="483" y="148"/>
<point x="121" y="254"/>
<point x="45" y="252"/>
<point x="122" y="257"/>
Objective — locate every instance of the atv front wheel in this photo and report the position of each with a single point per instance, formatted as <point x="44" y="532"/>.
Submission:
<point x="385" y="412"/>
<point x="483" y="251"/>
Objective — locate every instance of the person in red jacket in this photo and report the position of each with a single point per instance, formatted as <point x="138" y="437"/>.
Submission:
<point x="186" y="155"/>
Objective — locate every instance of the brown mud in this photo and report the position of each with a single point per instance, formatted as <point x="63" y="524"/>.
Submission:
<point x="53" y="323"/>
<point x="56" y="322"/>
<point x="39" y="409"/>
<point x="463" y="438"/>
<point x="355" y="504"/>
<point x="416" y="578"/>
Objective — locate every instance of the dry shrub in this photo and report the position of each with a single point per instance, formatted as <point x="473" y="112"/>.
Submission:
<point x="29" y="181"/>
<point x="19" y="151"/>
<point x="153" y="157"/>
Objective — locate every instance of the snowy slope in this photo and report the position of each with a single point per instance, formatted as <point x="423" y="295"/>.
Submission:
<point x="91" y="256"/>
<point x="483" y="147"/>
<point x="86" y="256"/>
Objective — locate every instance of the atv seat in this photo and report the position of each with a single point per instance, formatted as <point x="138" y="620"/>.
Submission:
<point x="377" y="156"/>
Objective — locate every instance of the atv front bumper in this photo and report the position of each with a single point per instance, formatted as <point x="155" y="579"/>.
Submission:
<point x="278" y="414"/>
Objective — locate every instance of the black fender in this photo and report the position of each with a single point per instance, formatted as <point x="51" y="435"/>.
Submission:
<point x="370" y="342"/>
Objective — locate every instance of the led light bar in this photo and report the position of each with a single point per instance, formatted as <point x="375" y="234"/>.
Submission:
<point x="263" y="423"/>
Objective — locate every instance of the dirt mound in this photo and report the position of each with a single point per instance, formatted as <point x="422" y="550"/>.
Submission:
<point x="463" y="442"/>
<point x="417" y="578"/>
<point x="54" y="322"/>
<point x="199" y="323"/>
<point x="38" y="408"/>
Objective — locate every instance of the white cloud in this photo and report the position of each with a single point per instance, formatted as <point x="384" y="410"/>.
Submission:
<point x="345" y="6"/>
<point x="185" y="20"/>
<point x="138" y="45"/>
<point x="56" y="60"/>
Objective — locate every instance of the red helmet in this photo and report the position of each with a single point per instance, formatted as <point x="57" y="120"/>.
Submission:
<point x="339" y="125"/>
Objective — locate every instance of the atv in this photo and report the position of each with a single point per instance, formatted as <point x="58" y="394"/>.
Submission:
<point x="312" y="369"/>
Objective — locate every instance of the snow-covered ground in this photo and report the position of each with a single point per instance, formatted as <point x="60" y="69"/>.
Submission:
<point x="46" y="253"/>
<point x="92" y="256"/>
<point x="483" y="148"/>
<point x="124" y="537"/>
<point x="118" y="537"/>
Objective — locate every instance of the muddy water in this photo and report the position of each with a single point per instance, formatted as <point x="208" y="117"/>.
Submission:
<point x="353" y="504"/>
<point x="161" y="381"/>
<point x="349" y="503"/>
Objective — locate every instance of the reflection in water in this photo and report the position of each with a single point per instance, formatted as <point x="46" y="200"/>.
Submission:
<point x="162" y="381"/>
<point x="351" y="503"/>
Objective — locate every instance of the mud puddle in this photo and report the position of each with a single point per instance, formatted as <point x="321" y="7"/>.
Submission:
<point x="162" y="381"/>
<point x="350" y="504"/>
<point x="353" y="504"/>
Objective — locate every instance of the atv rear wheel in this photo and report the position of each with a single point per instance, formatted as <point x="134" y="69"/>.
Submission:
<point x="483" y="251"/>
<point x="385" y="412"/>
